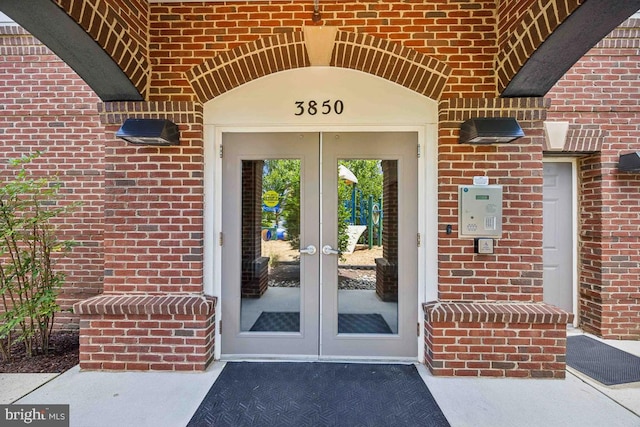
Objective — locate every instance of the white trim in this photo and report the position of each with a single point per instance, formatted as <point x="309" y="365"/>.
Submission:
<point x="555" y="134"/>
<point x="321" y="308"/>
<point x="427" y="226"/>
<point x="575" y="231"/>
<point x="381" y="112"/>
<point x="212" y="198"/>
<point x="308" y="358"/>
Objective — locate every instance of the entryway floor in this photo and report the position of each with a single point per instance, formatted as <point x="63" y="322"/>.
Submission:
<point x="170" y="399"/>
<point x="287" y="300"/>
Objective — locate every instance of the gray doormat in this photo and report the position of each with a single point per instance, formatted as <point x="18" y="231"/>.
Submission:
<point x="318" y="394"/>
<point x="603" y="363"/>
<point x="348" y="323"/>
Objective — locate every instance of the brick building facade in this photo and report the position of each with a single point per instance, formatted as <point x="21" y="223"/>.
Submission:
<point x="599" y="98"/>
<point x="46" y="107"/>
<point x="142" y="222"/>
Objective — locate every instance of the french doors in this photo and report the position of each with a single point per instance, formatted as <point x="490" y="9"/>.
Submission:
<point x="319" y="245"/>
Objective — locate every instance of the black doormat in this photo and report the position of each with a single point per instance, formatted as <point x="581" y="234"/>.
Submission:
<point x="277" y="321"/>
<point x="605" y="364"/>
<point x="370" y="323"/>
<point x="348" y="323"/>
<point x="318" y="394"/>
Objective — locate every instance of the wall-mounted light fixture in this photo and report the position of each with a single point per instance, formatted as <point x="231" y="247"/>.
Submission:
<point x="629" y="162"/>
<point x="490" y="130"/>
<point x="316" y="16"/>
<point x="149" y="132"/>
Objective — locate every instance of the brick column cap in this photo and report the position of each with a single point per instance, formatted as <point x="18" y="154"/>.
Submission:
<point x="117" y="304"/>
<point x="495" y="312"/>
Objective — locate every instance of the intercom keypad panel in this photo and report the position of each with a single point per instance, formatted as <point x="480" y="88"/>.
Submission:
<point x="480" y="210"/>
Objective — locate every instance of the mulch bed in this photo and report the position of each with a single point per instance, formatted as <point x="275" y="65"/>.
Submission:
<point x="287" y="275"/>
<point x="63" y="355"/>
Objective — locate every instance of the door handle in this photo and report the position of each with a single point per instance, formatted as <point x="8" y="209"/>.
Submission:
<point x="309" y="250"/>
<point x="328" y="250"/>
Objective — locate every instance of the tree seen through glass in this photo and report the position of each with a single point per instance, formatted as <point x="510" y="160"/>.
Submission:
<point x="283" y="177"/>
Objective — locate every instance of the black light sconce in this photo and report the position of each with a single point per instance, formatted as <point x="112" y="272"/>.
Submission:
<point x="160" y="132"/>
<point x="490" y="130"/>
<point x="629" y="162"/>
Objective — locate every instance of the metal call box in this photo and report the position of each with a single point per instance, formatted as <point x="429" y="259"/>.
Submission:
<point x="480" y="210"/>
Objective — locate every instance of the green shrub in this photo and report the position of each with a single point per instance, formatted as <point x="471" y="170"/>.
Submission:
<point x="29" y="247"/>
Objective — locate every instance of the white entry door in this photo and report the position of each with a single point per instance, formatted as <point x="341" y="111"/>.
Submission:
<point x="558" y="240"/>
<point x="319" y="255"/>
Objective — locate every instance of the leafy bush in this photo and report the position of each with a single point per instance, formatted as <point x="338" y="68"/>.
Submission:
<point x="283" y="177"/>
<point x="29" y="283"/>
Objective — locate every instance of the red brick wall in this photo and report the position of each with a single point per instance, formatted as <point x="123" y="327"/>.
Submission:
<point x="45" y="106"/>
<point x="153" y="197"/>
<point x="510" y="15"/>
<point x="495" y="340"/>
<point x="184" y="35"/>
<point x="514" y="271"/>
<point x="142" y="333"/>
<point x="387" y="266"/>
<point x="468" y="35"/>
<point x="153" y="203"/>
<point x="602" y="91"/>
<point x="255" y="267"/>
<point x="152" y="315"/>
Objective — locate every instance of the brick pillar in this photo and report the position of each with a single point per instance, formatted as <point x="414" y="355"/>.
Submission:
<point x="490" y="319"/>
<point x="255" y="273"/>
<point x="516" y="340"/>
<point x="153" y="314"/>
<point x="387" y="266"/>
<point x="146" y="332"/>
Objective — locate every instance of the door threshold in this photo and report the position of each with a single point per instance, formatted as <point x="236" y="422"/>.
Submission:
<point x="267" y="358"/>
<point x="315" y="358"/>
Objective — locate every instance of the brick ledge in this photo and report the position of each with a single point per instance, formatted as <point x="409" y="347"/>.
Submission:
<point x="534" y="313"/>
<point x="146" y="304"/>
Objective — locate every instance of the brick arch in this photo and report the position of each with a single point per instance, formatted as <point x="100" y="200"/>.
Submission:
<point x="382" y="58"/>
<point x="121" y="29"/>
<point x="539" y="43"/>
<point x="529" y="29"/>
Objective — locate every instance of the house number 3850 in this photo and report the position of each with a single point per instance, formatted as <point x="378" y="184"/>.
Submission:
<point x="315" y="107"/>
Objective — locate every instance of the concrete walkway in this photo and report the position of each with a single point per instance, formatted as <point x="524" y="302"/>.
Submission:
<point x="15" y="386"/>
<point x="170" y="399"/>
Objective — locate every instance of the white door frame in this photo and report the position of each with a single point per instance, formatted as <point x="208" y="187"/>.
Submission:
<point x="575" y="232"/>
<point x="393" y="109"/>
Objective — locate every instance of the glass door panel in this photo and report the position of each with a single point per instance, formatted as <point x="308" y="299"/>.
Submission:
<point x="369" y="234"/>
<point x="270" y="269"/>
<point x="368" y="262"/>
<point x="270" y="211"/>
